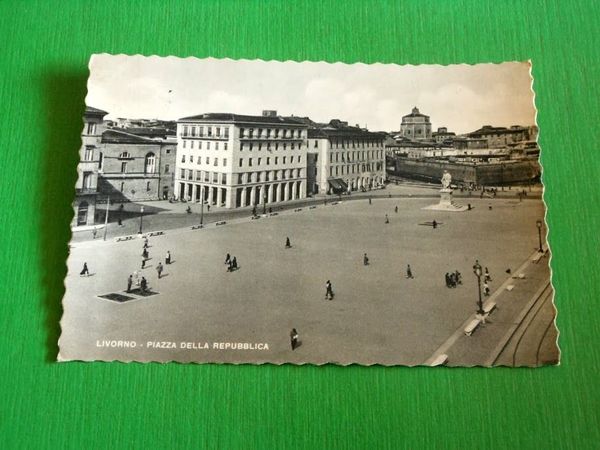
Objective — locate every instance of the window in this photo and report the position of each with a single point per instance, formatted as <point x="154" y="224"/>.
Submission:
<point x="198" y="175"/>
<point x="216" y="162"/>
<point x="241" y="132"/>
<point x="259" y="146"/>
<point x="182" y="174"/>
<point x="240" y="178"/>
<point x="122" y="186"/>
<point x="250" y="162"/>
<point x="150" y="163"/>
<point x="225" y="144"/>
<point x="89" y="153"/>
<point x="226" y="130"/>
<point x="124" y="155"/>
<point x="185" y="130"/>
<point x="291" y="159"/>
<point x="100" y="161"/>
<point x="224" y="178"/>
<point x="168" y="151"/>
<point x="208" y="146"/>
<point x="250" y="146"/>
<point x="192" y="144"/>
<point x="87" y="180"/>
<point x="207" y="160"/>
<point x="184" y="143"/>
<point x="166" y="168"/>
<point x="200" y="131"/>
<point x="190" y="174"/>
<point x="216" y="146"/>
<point x="258" y="163"/>
<point x="292" y="146"/>
<point x="193" y="131"/>
<point x="218" y="131"/>
<point x="209" y="131"/>
<point x="241" y="162"/>
<point x="91" y="128"/>
<point x="123" y="167"/>
<point x="182" y="158"/>
<point x="191" y="158"/>
<point x="199" y="145"/>
<point x="276" y="159"/>
<point x="224" y="161"/>
<point x="284" y="159"/>
<point x="215" y="178"/>
<point x="147" y="186"/>
<point x="268" y="161"/>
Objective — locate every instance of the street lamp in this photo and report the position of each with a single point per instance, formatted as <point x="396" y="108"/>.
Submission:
<point x="477" y="271"/>
<point x="538" y="224"/>
<point x="141" y="219"/>
<point x="201" y="205"/>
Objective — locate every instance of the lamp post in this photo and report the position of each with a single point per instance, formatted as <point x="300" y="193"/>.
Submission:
<point x="538" y="224"/>
<point x="141" y="219"/>
<point x="201" y="205"/>
<point x="477" y="271"/>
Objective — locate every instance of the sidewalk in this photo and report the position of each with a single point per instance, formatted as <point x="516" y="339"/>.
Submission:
<point x="490" y="338"/>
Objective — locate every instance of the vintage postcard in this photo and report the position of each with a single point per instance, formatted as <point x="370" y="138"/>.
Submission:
<point x="308" y="212"/>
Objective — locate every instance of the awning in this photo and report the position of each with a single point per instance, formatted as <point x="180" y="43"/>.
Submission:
<point x="338" y="185"/>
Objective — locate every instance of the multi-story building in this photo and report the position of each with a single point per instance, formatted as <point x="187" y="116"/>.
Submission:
<point x="415" y="126"/>
<point x="86" y="187"/>
<point x="343" y="158"/>
<point x="234" y="160"/>
<point x="443" y="136"/>
<point x="502" y="136"/>
<point x="136" y="168"/>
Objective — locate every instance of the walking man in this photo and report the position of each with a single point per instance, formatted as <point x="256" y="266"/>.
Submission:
<point x="328" y="291"/>
<point x="94" y="233"/>
<point x="486" y="276"/>
<point x="227" y="258"/>
<point x="145" y="253"/>
<point x="168" y="258"/>
<point x="369" y="200"/>
<point x="409" y="272"/>
<point x="159" y="269"/>
<point x="294" y="338"/>
<point x="396" y="209"/>
<point x="234" y="263"/>
<point x="129" y="282"/>
<point x="287" y="243"/>
<point x="143" y="263"/>
<point x="365" y="260"/>
<point x="387" y="220"/>
<point x="85" y="270"/>
<point x="434" y="224"/>
<point x="486" y="289"/>
<point x="143" y="285"/>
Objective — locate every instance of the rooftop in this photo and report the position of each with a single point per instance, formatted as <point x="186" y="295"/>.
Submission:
<point x="233" y="118"/>
<point x="91" y="111"/>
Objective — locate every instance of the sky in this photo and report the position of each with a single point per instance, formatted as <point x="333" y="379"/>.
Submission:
<point x="460" y="97"/>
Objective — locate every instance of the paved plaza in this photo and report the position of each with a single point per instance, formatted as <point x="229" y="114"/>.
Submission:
<point x="377" y="315"/>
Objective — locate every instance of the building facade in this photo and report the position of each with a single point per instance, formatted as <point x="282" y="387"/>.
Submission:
<point x="415" y="125"/>
<point x="502" y="136"/>
<point x="343" y="158"/>
<point x="86" y="187"/>
<point x="136" y="168"/>
<point x="232" y="160"/>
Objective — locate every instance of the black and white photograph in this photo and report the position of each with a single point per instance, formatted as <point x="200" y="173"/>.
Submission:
<point x="249" y="211"/>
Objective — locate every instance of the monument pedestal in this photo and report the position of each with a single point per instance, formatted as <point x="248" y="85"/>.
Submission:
<point x="446" y="202"/>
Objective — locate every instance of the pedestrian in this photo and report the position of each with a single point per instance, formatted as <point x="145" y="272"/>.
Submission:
<point x="145" y="253"/>
<point x="409" y="272"/>
<point x="208" y="207"/>
<point x="486" y="289"/>
<point x="294" y="338"/>
<point x="448" y="283"/>
<point x="94" y="233"/>
<point x="136" y="277"/>
<point x="254" y="211"/>
<point x="129" y="282"/>
<point x="227" y="258"/>
<point x="159" y="269"/>
<point x="486" y="275"/>
<point x="188" y="210"/>
<point x="85" y="271"/>
<point x="458" y="277"/>
<point x="434" y="224"/>
<point x="143" y="285"/>
<point x="328" y="291"/>
<point x="469" y="205"/>
<point x="168" y="257"/>
<point x="387" y="220"/>
<point x="288" y="243"/>
<point x="396" y="209"/>
<point x="365" y="260"/>
<point x="270" y="210"/>
<point x="234" y="263"/>
<point x="145" y="242"/>
<point x="143" y="263"/>
<point x="369" y="200"/>
<point x="119" y="222"/>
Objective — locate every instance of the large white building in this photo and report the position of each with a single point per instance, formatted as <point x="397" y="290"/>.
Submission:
<point x="343" y="158"/>
<point x="234" y="160"/>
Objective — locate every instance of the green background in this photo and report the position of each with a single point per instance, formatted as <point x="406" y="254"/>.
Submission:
<point x="43" y="65"/>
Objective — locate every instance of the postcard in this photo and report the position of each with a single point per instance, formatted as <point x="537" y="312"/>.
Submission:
<point x="249" y="211"/>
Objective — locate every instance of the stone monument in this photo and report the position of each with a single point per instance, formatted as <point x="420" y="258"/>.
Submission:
<point x="446" y="202"/>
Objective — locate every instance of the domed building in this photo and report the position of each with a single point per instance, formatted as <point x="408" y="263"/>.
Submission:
<point x="415" y="126"/>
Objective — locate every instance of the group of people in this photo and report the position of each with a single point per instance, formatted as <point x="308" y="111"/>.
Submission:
<point x="453" y="279"/>
<point x="231" y="263"/>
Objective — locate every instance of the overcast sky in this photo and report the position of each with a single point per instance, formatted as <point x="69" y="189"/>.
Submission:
<point x="460" y="97"/>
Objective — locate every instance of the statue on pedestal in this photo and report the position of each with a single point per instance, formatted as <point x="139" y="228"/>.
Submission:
<point x="446" y="180"/>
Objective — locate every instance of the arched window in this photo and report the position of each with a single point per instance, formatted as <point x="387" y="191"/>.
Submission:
<point x="150" y="163"/>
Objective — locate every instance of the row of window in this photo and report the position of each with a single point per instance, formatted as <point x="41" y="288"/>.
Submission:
<point x="267" y="133"/>
<point x="207" y="145"/>
<point x="354" y="168"/>
<point x="267" y="145"/>
<point x="207" y="160"/>
<point x="193" y="131"/>
<point x="352" y="156"/>
<point x="250" y="161"/>
<point x="352" y="144"/>
<point x="241" y="178"/>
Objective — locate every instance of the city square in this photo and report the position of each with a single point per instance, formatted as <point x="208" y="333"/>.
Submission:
<point x="377" y="315"/>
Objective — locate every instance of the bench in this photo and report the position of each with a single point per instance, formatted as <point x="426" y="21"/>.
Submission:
<point x="197" y="227"/>
<point x="156" y="233"/>
<point x="298" y="210"/>
<point x="471" y="327"/>
<point x="125" y="238"/>
<point x="222" y="222"/>
<point x="489" y="307"/>
<point x="253" y="218"/>
<point x="274" y="214"/>
<point x="440" y="360"/>
<point x="312" y="207"/>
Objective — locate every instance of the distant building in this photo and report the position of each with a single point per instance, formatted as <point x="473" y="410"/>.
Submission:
<point x="136" y="168"/>
<point x="415" y="125"/>
<point x="343" y="158"/>
<point x="502" y="136"/>
<point x="86" y="187"/>
<point x="234" y="160"/>
<point x="442" y="135"/>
